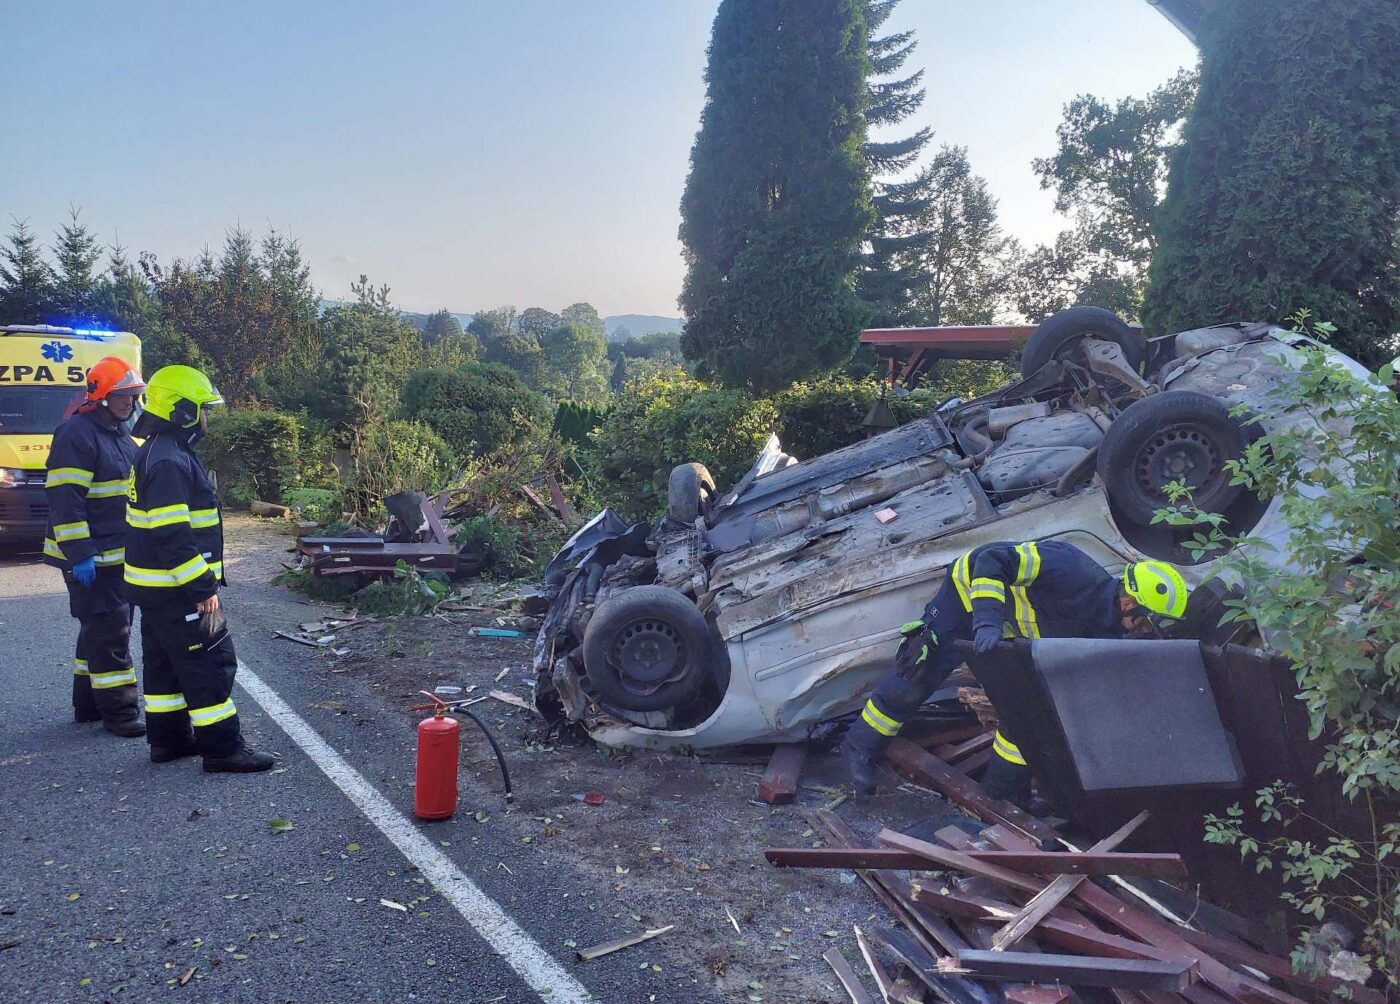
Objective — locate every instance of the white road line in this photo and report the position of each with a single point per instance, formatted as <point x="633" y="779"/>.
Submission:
<point x="520" y="951"/>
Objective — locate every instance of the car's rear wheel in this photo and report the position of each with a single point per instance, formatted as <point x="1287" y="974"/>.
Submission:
<point x="690" y="493"/>
<point x="1059" y="335"/>
<point x="1176" y="436"/>
<point x="647" y="649"/>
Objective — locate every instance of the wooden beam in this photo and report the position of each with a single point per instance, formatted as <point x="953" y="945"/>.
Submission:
<point x="1057" y="891"/>
<point x="888" y="989"/>
<point x="951" y="987"/>
<point x="846" y="977"/>
<point x="779" y="783"/>
<point x="925" y="769"/>
<point x="951" y="753"/>
<point x="1077" y="970"/>
<point x="1032" y="863"/>
<point x="961" y="861"/>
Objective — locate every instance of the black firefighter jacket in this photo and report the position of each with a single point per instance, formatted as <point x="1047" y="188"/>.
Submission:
<point x="175" y="537"/>
<point x="1038" y="589"/>
<point x="89" y="462"/>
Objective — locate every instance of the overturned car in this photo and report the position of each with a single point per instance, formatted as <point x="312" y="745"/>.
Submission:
<point x="759" y="614"/>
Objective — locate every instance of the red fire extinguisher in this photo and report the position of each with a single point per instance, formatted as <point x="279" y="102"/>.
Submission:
<point x="435" y="783"/>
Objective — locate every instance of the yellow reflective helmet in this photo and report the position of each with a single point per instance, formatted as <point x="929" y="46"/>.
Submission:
<point x="179" y="395"/>
<point x="1157" y="586"/>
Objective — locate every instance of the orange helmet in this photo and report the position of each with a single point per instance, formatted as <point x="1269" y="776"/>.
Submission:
<point x="112" y="374"/>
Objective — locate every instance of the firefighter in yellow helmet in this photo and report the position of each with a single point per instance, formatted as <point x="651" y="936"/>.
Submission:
<point x="1032" y="589"/>
<point x="174" y="567"/>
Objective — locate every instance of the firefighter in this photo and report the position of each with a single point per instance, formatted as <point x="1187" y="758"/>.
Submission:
<point x="174" y="553"/>
<point x="1045" y="589"/>
<point x="89" y="461"/>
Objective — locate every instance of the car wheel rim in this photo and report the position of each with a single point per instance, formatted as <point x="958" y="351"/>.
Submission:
<point x="1181" y="453"/>
<point x="647" y="654"/>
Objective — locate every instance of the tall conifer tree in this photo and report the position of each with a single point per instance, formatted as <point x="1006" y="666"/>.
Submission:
<point x="26" y="280"/>
<point x="778" y="198"/>
<point x="1286" y="191"/>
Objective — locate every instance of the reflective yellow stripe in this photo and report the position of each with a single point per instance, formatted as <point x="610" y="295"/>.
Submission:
<point x="1029" y="569"/>
<point x="1025" y="613"/>
<point x="204" y="518"/>
<point x="1007" y="750"/>
<point x="165" y="702"/>
<point x="150" y="519"/>
<point x="988" y="589"/>
<point x="213" y="713"/>
<point x="878" y="720"/>
<point x="107" y="489"/>
<point x="80" y="667"/>
<point x="160" y="577"/>
<point x="217" y="567"/>
<point x="52" y="550"/>
<point x="962" y="581"/>
<point x="113" y="557"/>
<point x="68" y="476"/>
<point x="116" y="678"/>
<point x="72" y="531"/>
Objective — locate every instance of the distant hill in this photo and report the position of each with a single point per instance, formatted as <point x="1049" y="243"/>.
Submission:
<point x="641" y="324"/>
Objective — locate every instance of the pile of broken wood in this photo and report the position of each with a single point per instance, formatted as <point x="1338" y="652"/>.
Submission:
<point x="993" y="915"/>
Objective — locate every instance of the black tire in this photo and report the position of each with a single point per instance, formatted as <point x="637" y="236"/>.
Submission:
<point x="689" y="493"/>
<point x="647" y="649"/>
<point x="1177" y="435"/>
<point x="1057" y="332"/>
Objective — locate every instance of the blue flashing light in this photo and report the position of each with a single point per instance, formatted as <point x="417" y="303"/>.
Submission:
<point x="93" y="333"/>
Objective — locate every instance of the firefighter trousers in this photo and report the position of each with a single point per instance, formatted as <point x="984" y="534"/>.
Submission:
<point x="188" y="665"/>
<point x="104" y="682"/>
<point x="927" y="656"/>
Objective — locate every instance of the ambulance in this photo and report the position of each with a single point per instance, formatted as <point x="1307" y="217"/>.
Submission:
<point x="43" y="372"/>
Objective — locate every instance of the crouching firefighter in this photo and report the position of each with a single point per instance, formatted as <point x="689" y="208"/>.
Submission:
<point x="89" y="462"/>
<point x="174" y="567"/>
<point x="1045" y="589"/>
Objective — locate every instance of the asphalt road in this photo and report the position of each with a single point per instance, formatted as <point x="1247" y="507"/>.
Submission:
<point x="120" y="876"/>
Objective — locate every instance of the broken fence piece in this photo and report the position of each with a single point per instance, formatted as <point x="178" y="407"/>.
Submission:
<point x="1057" y="891"/>
<point x="1031" y="862"/>
<point x="779" y="783"/>
<point x="511" y="699"/>
<point x="1078" y="970"/>
<point x="608" y="947"/>
<point x="847" y="978"/>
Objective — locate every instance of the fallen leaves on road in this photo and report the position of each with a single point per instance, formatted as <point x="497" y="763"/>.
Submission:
<point x="393" y="906"/>
<point x="74" y="896"/>
<point x="187" y="975"/>
<point x="281" y="825"/>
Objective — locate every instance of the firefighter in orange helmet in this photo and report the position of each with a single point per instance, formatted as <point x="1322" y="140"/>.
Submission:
<point x="89" y="463"/>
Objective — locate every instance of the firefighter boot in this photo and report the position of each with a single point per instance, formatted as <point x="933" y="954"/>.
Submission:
<point x="244" y="760"/>
<point x="165" y="754"/>
<point x="127" y="728"/>
<point x="1011" y="782"/>
<point x="863" y="749"/>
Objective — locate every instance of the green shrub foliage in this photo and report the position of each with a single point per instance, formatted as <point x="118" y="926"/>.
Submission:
<point x="397" y="456"/>
<point x="1286" y="190"/>
<point x="778" y="198"/>
<point x="668" y="419"/>
<point x="479" y="409"/>
<point x="256" y="454"/>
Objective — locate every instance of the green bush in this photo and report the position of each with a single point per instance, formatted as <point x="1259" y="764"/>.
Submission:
<point x="396" y="456"/>
<point x="824" y="415"/>
<point x="508" y="550"/>
<point x="409" y="592"/>
<point x="1334" y="613"/>
<point x="319" y="505"/>
<point x="256" y="454"/>
<point x="479" y="409"/>
<point x="668" y="419"/>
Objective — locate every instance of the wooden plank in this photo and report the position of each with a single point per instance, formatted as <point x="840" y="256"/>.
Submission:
<point x="1037" y="993"/>
<point x="436" y="528"/>
<point x="928" y="734"/>
<point x="882" y="979"/>
<point x="951" y="753"/>
<point x="951" y="987"/>
<point x="847" y="978"/>
<point x="1032" y="863"/>
<point x="1077" y="970"/>
<point x="1160" y="933"/>
<point x="961" y="861"/>
<point x="1056" y="892"/>
<point x="779" y="783"/>
<point x="925" y="769"/>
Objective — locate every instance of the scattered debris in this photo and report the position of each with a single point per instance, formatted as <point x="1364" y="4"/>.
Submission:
<point x="593" y="798"/>
<point x="393" y="906"/>
<point x="730" y="914"/>
<point x="486" y="632"/>
<point x="846" y="977"/>
<point x="608" y="947"/>
<point x="301" y="639"/>
<point x="281" y="825"/>
<point x="780" y="780"/>
<point x="511" y="699"/>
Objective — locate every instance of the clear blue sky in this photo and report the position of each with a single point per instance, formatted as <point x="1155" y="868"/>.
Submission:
<point x="474" y="154"/>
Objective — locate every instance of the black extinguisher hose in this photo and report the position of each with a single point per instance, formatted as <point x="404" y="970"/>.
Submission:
<point x="500" y="757"/>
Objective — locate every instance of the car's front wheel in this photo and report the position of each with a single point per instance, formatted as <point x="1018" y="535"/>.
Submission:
<point x="647" y="649"/>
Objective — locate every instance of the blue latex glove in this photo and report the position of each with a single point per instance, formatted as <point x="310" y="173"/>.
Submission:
<point x="85" y="571"/>
<point x="986" y="639"/>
